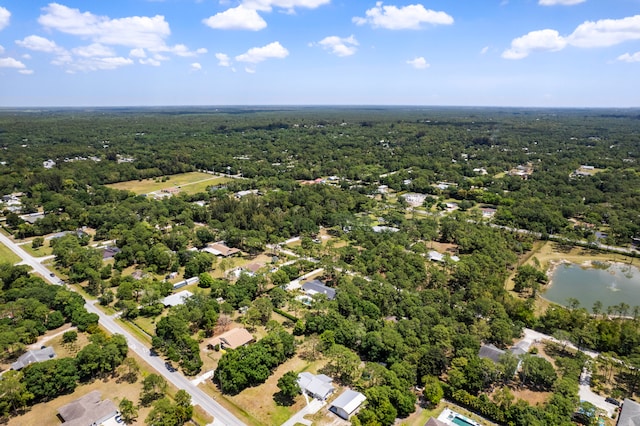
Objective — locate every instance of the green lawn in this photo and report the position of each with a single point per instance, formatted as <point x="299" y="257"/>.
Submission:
<point x="189" y="183"/>
<point x="8" y="256"/>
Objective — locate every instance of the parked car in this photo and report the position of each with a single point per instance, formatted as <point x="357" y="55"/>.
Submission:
<point x="169" y="367"/>
<point x="612" y="401"/>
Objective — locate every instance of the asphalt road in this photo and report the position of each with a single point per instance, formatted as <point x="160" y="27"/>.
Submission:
<point x="221" y="416"/>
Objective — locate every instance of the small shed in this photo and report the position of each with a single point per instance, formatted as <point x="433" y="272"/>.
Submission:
<point x="347" y="403"/>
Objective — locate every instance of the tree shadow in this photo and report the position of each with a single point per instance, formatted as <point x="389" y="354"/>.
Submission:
<point x="283" y="400"/>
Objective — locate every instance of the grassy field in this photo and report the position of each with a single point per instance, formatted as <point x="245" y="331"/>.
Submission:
<point x="189" y="183"/>
<point x="45" y="250"/>
<point x="7" y="255"/>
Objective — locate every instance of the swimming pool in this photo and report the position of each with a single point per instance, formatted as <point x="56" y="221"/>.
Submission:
<point x="452" y="418"/>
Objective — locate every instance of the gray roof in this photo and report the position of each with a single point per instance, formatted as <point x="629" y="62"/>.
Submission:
<point x="317" y="286"/>
<point x="177" y="298"/>
<point x="87" y="410"/>
<point x="30" y="357"/>
<point x="520" y="348"/>
<point x="434" y="422"/>
<point x="491" y="352"/>
<point x="629" y="413"/>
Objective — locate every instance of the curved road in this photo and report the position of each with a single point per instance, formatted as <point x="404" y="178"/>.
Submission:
<point x="222" y="417"/>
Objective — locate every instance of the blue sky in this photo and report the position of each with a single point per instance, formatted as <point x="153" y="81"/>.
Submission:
<point x="568" y="53"/>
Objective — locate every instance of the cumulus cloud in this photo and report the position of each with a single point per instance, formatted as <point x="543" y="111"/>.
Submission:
<point x="196" y="66"/>
<point x="411" y="17"/>
<point x="5" y="17"/>
<point x="606" y="32"/>
<point x="630" y="57"/>
<point x="1" y="49"/>
<point x="259" y="54"/>
<point x="150" y="61"/>
<point x="98" y="63"/>
<point x="484" y="50"/>
<point x="134" y="31"/>
<point x="138" y="53"/>
<point x="11" y="63"/>
<point x="40" y="44"/>
<point x="95" y="49"/>
<point x="542" y="40"/>
<point x="289" y="5"/>
<point x="419" y="63"/>
<point x="236" y="18"/>
<point x="223" y="59"/>
<point x="340" y="46"/>
<point x="589" y="34"/>
<point x="560" y="2"/>
<point x="26" y="72"/>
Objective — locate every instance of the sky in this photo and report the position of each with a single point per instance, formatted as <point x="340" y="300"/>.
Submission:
<point x="521" y="53"/>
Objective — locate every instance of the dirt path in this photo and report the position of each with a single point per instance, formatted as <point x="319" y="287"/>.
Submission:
<point x="48" y="337"/>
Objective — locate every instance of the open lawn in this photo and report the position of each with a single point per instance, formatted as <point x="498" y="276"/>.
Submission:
<point x="7" y="255"/>
<point x="45" y="250"/>
<point x="189" y="183"/>
<point x="256" y="405"/>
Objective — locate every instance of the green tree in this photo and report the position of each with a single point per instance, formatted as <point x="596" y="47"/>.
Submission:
<point x="153" y="388"/>
<point x="128" y="410"/>
<point x="433" y="391"/>
<point x="289" y="388"/>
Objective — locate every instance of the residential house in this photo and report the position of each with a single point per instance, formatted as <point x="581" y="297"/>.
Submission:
<point x="317" y="287"/>
<point x="188" y="281"/>
<point x="233" y="339"/>
<point x="347" y="403"/>
<point x="37" y="355"/>
<point x="414" y="199"/>
<point x="32" y="217"/>
<point x="380" y="229"/>
<point x="177" y="298"/>
<point x="488" y="212"/>
<point x="435" y="422"/>
<point x="90" y="410"/>
<point x="435" y="256"/>
<point x="317" y="386"/>
<point x="629" y="413"/>
<point x="221" y="249"/>
<point x="109" y="252"/>
<point x="491" y="352"/>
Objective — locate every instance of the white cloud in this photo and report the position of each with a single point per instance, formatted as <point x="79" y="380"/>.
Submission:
<point x="1" y="49"/>
<point x="589" y="34"/>
<point x="419" y="63"/>
<point x="627" y="57"/>
<point x="5" y="17"/>
<point x="409" y="17"/>
<point x="560" y="2"/>
<point x="150" y="61"/>
<point x="542" y="40"/>
<point x="137" y="53"/>
<point x="340" y="46"/>
<point x="250" y="70"/>
<point x="606" y="32"/>
<point x="182" y="50"/>
<point x="134" y="31"/>
<point x="196" y="66"/>
<point x="289" y="5"/>
<point x="223" y="60"/>
<point x="259" y="54"/>
<point x="26" y="56"/>
<point x="97" y="63"/>
<point x="40" y="44"/>
<point x="11" y="63"/>
<point x="484" y="50"/>
<point x="93" y="50"/>
<point x="26" y="72"/>
<point x="237" y="18"/>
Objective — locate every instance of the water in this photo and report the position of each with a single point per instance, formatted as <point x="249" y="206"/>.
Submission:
<point x="617" y="284"/>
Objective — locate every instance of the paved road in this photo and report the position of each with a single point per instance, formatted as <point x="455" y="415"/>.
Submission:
<point x="221" y="416"/>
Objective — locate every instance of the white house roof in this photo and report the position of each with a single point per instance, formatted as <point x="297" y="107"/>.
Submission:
<point x="317" y="386"/>
<point x="349" y="401"/>
<point x="316" y="286"/>
<point x="177" y="298"/>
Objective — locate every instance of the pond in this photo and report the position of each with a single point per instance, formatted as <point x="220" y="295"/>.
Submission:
<point x="611" y="284"/>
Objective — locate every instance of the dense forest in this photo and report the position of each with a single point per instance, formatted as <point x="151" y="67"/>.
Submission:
<point x="399" y="322"/>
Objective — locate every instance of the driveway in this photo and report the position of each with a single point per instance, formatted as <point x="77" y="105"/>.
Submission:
<point x="586" y="394"/>
<point x="312" y="407"/>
